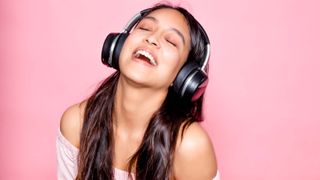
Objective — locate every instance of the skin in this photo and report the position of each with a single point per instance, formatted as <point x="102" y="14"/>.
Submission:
<point x="142" y="89"/>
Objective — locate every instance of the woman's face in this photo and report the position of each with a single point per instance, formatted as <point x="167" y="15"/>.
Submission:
<point x="156" y="49"/>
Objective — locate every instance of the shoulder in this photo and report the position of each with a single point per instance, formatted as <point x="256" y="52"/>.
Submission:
<point x="71" y="122"/>
<point x="194" y="155"/>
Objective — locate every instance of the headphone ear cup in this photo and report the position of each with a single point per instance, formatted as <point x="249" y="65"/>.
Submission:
<point x="190" y="82"/>
<point x="112" y="48"/>
<point x="197" y="85"/>
<point x="107" y="49"/>
<point x="117" y="49"/>
<point x="181" y="77"/>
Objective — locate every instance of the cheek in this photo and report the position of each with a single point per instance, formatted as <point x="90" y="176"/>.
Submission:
<point x="174" y="61"/>
<point x="175" y="57"/>
<point x="127" y="43"/>
<point x="133" y="38"/>
<point x="125" y="51"/>
<point x="171" y="59"/>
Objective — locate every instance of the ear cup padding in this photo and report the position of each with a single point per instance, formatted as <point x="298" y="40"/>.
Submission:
<point x="107" y="50"/>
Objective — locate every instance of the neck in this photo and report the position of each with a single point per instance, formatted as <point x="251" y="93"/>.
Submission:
<point x="135" y="105"/>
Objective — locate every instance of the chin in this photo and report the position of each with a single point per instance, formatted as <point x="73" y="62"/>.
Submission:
<point x="135" y="77"/>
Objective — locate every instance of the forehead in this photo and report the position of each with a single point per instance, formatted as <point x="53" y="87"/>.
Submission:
<point x="171" y="18"/>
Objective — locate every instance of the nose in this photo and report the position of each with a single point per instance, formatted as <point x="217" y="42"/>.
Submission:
<point x="153" y="40"/>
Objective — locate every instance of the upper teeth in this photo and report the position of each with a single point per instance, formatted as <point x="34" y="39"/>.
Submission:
<point x="147" y="55"/>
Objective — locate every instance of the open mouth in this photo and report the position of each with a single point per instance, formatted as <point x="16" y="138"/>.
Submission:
<point x="145" y="56"/>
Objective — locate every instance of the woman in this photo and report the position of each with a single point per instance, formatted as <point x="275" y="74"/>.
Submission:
<point x="139" y="124"/>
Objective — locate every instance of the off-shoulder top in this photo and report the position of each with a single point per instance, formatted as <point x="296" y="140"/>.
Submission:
<point x="67" y="161"/>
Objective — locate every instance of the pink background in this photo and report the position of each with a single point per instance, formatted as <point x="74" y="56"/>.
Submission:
<point x="262" y="104"/>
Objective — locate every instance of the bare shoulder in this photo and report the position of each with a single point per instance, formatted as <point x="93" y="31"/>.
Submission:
<point x="194" y="156"/>
<point x="71" y="122"/>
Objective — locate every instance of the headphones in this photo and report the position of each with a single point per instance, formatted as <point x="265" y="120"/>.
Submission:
<point x="190" y="82"/>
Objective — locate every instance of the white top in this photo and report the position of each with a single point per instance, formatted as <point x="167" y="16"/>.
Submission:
<point x="67" y="161"/>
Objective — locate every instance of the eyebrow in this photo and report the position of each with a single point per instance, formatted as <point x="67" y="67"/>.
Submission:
<point x="171" y="28"/>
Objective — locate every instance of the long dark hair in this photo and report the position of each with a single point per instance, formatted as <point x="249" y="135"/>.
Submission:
<point x="154" y="157"/>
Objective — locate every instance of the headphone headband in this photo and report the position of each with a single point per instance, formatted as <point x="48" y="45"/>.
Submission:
<point x="132" y="22"/>
<point x="207" y="47"/>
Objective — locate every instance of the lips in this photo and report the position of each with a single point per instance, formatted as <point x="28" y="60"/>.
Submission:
<point x="145" y="56"/>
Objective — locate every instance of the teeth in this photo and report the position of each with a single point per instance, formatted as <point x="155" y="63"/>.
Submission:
<point x="147" y="55"/>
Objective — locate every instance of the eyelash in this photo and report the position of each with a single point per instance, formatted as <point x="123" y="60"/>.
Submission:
<point x="173" y="44"/>
<point x="144" y="29"/>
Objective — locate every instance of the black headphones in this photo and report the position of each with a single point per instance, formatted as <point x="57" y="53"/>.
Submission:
<point x="190" y="82"/>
